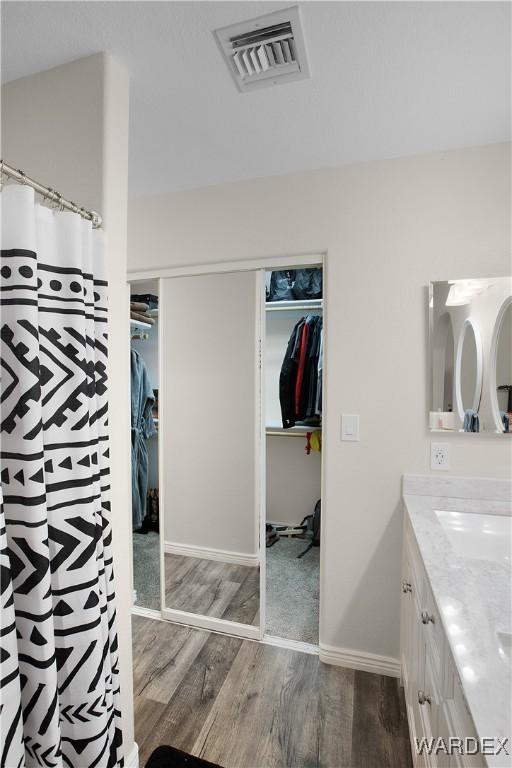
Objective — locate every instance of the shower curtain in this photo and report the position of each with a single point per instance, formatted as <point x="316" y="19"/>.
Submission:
<point x="59" y="679"/>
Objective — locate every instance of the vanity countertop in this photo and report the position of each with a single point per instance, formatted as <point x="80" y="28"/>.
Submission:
<point x="465" y="544"/>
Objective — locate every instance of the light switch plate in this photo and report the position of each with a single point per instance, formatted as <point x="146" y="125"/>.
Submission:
<point x="440" y="456"/>
<point x="350" y="426"/>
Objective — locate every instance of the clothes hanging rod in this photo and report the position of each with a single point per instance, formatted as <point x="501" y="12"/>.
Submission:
<point x="50" y="194"/>
<point x="282" y="433"/>
<point x="314" y="305"/>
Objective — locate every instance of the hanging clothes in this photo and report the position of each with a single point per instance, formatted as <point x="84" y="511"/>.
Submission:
<point x="310" y="381"/>
<point x="304" y="336"/>
<point x="287" y="378"/>
<point x="318" y="402"/>
<point x="59" y="670"/>
<point x="143" y="427"/>
<point x="301" y="371"/>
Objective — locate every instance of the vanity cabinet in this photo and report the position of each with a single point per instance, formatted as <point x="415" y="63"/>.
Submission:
<point x="436" y="707"/>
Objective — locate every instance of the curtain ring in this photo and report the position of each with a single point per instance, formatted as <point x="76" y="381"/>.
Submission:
<point x="56" y="200"/>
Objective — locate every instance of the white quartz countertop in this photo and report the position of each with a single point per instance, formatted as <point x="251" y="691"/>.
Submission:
<point x="466" y="549"/>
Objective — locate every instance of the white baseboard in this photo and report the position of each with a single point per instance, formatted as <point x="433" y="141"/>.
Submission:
<point x="293" y="645"/>
<point x="132" y="760"/>
<point x="206" y="553"/>
<point x="148" y="613"/>
<point x="365" y="662"/>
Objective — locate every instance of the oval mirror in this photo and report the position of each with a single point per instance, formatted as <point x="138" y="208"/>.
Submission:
<point x="501" y="384"/>
<point x="468" y="370"/>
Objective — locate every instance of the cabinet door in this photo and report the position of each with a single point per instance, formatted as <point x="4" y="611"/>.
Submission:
<point x="407" y="618"/>
<point x="444" y="732"/>
<point x="412" y="656"/>
<point x="429" y="704"/>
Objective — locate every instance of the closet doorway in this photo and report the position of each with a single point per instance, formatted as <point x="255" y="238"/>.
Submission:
<point x="232" y="430"/>
<point x="293" y="366"/>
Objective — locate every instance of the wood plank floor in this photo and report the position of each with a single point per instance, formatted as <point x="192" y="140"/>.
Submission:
<point x="243" y="704"/>
<point x="211" y="588"/>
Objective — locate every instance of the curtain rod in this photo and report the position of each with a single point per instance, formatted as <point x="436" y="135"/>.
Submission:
<point x="50" y="194"/>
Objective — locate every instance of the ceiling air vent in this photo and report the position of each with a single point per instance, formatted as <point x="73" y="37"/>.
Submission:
<point x="265" y="51"/>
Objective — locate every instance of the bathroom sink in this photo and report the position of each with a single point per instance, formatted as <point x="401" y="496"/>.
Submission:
<point x="482" y="537"/>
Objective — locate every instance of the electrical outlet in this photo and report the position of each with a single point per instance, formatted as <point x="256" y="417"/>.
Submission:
<point x="440" y="456"/>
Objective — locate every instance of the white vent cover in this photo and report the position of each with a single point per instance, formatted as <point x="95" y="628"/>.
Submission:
<point x="265" y="51"/>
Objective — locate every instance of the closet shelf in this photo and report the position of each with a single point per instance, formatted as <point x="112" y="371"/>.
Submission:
<point x="300" y="306"/>
<point x="140" y="324"/>
<point x="299" y="430"/>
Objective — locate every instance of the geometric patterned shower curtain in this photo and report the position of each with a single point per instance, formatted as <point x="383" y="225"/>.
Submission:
<point x="59" y="678"/>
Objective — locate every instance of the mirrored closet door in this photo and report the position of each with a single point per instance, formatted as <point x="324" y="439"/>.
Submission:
<point x="144" y="384"/>
<point x="210" y="443"/>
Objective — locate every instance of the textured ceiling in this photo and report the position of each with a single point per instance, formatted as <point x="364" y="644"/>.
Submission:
<point x="388" y="79"/>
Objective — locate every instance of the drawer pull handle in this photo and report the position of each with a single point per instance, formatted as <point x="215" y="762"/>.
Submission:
<point x="406" y="587"/>
<point x="426" y="618"/>
<point x="423" y="698"/>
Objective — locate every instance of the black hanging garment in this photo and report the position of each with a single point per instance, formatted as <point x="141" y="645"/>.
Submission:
<point x="300" y="379"/>
<point x="307" y="400"/>
<point x="288" y="376"/>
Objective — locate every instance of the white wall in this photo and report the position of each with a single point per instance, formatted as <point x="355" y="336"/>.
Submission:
<point x="293" y="479"/>
<point x="388" y="228"/>
<point x="68" y="127"/>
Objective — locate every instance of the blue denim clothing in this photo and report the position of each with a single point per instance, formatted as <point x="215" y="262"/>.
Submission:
<point x="471" y="421"/>
<point x="143" y="427"/>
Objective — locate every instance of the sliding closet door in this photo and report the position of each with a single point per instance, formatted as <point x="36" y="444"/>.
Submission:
<point x="210" y="405"/>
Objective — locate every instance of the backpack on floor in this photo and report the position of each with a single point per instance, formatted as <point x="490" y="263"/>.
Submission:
<point x="314" y="526"/>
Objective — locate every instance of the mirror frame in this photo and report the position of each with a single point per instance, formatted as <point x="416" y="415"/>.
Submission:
<point x="493" y="395"/>
<point x="477" y="395"/>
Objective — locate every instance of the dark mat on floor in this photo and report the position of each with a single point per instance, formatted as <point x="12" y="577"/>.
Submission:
<point x="168" y="757"/>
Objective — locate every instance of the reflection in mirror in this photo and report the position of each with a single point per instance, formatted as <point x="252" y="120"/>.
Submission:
<point x="503" y="382"/>
<point x="209" y="404"/>
<point x="470" y="340"/>
<point x="443" y="353"/>
<point x="468" y="377"/>
<point x="144" y="368"/>
<point x="449" y="363"/>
